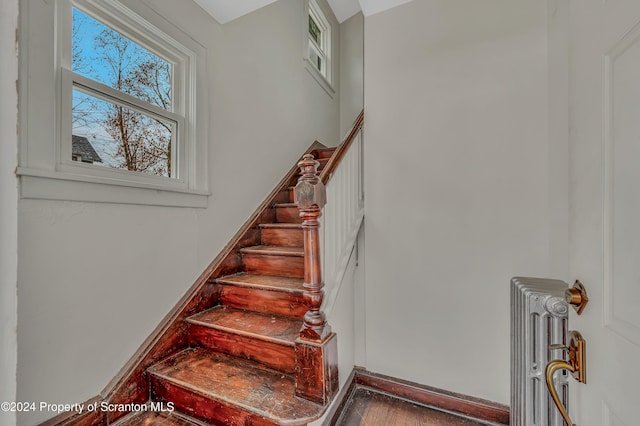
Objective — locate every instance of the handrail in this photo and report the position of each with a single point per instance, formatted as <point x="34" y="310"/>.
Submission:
<point x="311" y="197"/>
<point x="342" y="149"/>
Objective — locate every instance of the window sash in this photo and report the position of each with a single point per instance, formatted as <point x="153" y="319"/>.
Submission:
<point x="321" y="55"/>
<point x="112" y="95"/>
<point x="72" y="80"/>
<point x="136" y="43"/>
<point x="315" y="32"/>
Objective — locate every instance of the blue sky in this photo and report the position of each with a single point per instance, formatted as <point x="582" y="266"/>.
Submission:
<point x="85" y="30"/>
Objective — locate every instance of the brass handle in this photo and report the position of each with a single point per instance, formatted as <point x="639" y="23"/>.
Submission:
<point x="577" y="365"/>
<point x="552" y="367"/>
<point x="577" y="297"/>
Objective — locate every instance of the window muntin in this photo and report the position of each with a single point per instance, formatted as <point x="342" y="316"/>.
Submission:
<point x="139" y="136"/>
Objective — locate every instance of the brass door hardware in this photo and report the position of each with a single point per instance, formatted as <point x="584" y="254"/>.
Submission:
<point x="576" y="296"/>
<point x="576" y="365"/>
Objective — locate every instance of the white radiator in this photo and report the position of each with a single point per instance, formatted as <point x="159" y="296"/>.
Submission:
<point x="539" y="316"/>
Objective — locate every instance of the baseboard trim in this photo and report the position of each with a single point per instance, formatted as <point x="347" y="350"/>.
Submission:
<point x="449" y="401"/>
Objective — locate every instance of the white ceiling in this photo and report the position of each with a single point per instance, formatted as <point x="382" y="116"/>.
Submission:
<point x="227" y="10"/>
<point x="344" y="9"/>
<point x="371" y="7"/>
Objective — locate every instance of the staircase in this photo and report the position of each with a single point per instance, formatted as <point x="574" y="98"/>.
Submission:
<point x="239" y="364"/>
<point x="247" y="344"/>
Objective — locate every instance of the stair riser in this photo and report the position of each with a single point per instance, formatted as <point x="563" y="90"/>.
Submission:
<point x="273" y="355"/>
<point x="263" y="301"/>
<point x="282" y="237"/>
<point x="201" y="407"/>
<point x="288" y="215"/>
<point x="325" y="154"/>
<point x="284" y="266"/>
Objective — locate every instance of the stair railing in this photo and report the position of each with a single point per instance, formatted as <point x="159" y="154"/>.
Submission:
<point x="344" y="211"/>
<point x="316" y="348"/>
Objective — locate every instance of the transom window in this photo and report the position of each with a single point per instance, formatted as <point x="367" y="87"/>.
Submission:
<point x="319" y="40"/>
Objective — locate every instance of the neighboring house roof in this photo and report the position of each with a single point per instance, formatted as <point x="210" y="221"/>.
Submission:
<point x="82" y="147"/>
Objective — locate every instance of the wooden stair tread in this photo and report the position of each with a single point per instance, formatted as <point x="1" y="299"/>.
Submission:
<point x="256" y="390"/>
<point x="274" y="251"/>
<point x="281" y="330"/>
<point x="148" y="418"/>
<point x="276" y="225"/>
<point x="267" y="282"/>
<point x="286" y="205"/>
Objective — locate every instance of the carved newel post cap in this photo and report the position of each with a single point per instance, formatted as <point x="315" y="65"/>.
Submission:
<point x="310" y="190"/>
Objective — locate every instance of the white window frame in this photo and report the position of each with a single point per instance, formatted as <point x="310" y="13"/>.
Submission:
<point x="46" y="168"/>
<point x="324" y="75"/>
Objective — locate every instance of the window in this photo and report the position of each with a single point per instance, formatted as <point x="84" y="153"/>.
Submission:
<point x="122" y="100"/>
<point x="319" y="41"/>
<point x="124" y="109"/>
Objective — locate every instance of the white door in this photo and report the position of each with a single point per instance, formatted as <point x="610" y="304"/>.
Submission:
<point x="604" y="230"/>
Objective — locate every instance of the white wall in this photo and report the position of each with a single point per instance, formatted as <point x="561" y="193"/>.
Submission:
<point x="8" y="206"/>
<point x="351" y="71"/>
<point x="457" y="183"/>
<point x="558" y="112"/>
<point x="346" y="318"/>
<point x="95" y="279"/>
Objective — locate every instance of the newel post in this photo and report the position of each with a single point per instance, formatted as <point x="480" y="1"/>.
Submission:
<point x="316" y="348"/>
<point x="311" y="198"/>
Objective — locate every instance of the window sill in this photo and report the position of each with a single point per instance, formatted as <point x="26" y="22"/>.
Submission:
<point x="319" y="78"/>
<point x="46" y="185"/>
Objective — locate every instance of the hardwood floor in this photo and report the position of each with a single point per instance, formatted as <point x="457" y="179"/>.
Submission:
<point x="372" y="399"/>
<point x="367" y="406"/>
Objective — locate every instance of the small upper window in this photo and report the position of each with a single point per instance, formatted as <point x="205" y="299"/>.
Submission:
<point x="319" y="40"/>
<point x="135" y="132"/>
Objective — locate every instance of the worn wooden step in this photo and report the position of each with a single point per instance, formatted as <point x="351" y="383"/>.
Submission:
<point x="165" y="418"/>
<point x="223" y="390"/>
<point x="267" y="339"/>
<point x="281" y="234"/>
<point x="263" y="293"/>
<point x="274" y="260"/>
<point x="324" y="153"/>
<point x="292" y="195"/>
<point x="323" y="162"/>
<point x="287" y="213"/>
